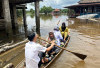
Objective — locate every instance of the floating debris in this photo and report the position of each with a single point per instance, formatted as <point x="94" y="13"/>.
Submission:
<point x="5" y="48"/>
<point x="10" y="65"/>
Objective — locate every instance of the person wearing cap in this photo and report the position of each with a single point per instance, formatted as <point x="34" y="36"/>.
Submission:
<point x="32" y="50"/>
<point x="64" y="31"/>
<point x="58" y="36"/>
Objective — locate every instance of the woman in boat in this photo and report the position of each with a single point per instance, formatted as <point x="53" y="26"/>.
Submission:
<point x="53" y="50"/>
<point x="32" y="50"/>
<point x="51" y="36"/>
<point x="64" y="31"/>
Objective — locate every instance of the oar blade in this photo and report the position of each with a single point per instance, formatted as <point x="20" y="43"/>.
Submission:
<point x="81" y="56"/>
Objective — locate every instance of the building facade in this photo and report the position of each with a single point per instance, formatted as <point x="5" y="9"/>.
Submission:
<point x="85" y="7"/>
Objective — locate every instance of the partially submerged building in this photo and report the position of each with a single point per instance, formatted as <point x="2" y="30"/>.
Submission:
<point x="56" y="11"/>
<point x="8" y="16"/>
<point x="85" y="7"/>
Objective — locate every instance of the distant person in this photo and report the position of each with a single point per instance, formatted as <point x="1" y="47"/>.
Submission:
<point x="64" y="30"/>
<point x="32" y="50"/>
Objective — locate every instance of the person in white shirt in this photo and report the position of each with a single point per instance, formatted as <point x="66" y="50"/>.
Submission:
<point x="32" y="50"/>
<point x="58" y="36"/>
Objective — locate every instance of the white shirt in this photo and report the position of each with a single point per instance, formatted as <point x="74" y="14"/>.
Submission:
<point x="58" y="36"/>
<point x="32" y="50"/>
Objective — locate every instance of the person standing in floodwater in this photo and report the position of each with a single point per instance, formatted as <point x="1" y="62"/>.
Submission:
<point x="32" y="50"/>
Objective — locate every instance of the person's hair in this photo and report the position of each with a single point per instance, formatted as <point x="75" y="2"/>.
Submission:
<point x="31" y="36"/>
<point x="51" y="33"/>
<point x="64" y="24"/>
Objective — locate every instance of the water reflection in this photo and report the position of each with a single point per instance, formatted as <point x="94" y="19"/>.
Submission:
<point x="32" y="15"/>
<point x="46" y="17"/>
<point x="56" y="15"/>
<point x="18" y="34"/>
<point x="48" y="22"/>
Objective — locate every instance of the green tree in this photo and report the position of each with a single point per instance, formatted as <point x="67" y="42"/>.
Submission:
<point x="64" y="10"/>
<point x="19" y="13"/>
<point x="46" y="10"/>
<point x="32" y="11"/>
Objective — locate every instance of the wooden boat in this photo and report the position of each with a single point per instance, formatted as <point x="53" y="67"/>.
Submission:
<point x="21" y="64"/>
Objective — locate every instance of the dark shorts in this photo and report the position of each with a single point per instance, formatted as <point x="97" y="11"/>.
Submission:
<point x="52" y="50"/>
<point x="41" y="55"/>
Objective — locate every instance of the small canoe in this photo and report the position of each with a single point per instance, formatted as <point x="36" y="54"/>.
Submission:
<point x="21" y="64"/>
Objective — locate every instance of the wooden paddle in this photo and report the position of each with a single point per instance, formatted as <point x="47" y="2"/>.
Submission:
<point x="81" y="56"/>
<point x="58" y="22"/>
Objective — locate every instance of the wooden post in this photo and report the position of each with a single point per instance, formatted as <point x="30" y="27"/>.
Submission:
<point x="80" y="11"/>
<point x="15" y="16"/>
<point x="25" y="29"/>
<point x="92" y="9"/>
<point x="95" y="10"/>
<point x="24" y="17"/>
<point x="7" y="17"/>
<point x="1" y="11"/>
<point x="37" y="16"/>
<point x="24" y="20"/>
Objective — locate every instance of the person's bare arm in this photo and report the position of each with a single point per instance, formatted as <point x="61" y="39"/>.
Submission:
<point x="52" y="44"/>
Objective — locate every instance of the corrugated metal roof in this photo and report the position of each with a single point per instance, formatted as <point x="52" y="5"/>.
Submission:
<point x="89" y="1"/>
<point x="82" y="5"/>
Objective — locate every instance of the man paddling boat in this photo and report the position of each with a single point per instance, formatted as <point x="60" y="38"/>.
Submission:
<point x="32" y="50"/>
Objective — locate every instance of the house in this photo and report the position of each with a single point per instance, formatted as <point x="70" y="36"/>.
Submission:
<point x="56" y="11"/>
<point x="85" y="7"/>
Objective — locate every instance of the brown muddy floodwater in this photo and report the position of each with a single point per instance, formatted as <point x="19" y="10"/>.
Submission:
<point x="85" y="39"/>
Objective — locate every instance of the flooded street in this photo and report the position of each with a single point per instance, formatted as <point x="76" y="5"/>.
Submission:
<point x="85" y="39"/>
